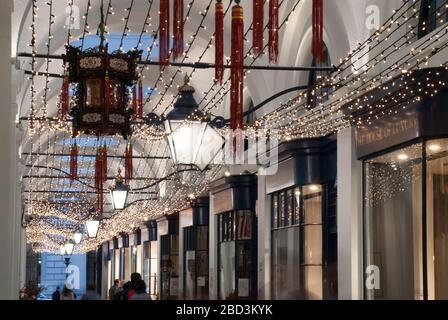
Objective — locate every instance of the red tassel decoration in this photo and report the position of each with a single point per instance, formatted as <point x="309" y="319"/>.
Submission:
<point x="107" y="93"/>
<point x="219" y="41"/>
<point x="273" y="31"/>
<point x="134" y="100"/>
<point x="140" y="99"/>
<point x="74" y="163"/>
<point x="237" y="68"/>
<point x="318" y="30"/>
<point x="178" y="29"/>
<point x="104" y="162"/>
<point x="164" y="33"/>
<point x="65" y="96"/>
<point x="258" y="26"/>
<point x="99" y="178"/>
<point x="128" y="175"/>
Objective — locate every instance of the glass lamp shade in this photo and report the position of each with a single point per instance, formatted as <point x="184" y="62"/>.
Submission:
<point x="193" y="142"/>
<point x="77" y="237"/>
<point x="62" y="250"/>
<point x="119" y="195"/>
<point x="69" y="246"/>
<point x="92" y="227"/>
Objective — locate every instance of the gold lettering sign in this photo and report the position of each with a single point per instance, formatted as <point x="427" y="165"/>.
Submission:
<point x="369" y="135"/>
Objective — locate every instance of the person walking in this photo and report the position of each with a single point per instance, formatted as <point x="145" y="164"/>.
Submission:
<point x="67" y="294"/>
<point x="115" y="290"/>
<point x="129" y="287"/>
<point x="140" y="291"/>
<point x="56" y="294"/>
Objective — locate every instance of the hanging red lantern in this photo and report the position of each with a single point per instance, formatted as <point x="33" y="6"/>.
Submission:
<point x="107" y="93"/>
<point x="164" y="33"/>
<point x="318" y="30"/>
<point x="140" y="99"/>
<point x="128" y="164"/>
<point x="65" y="97"/>
<point x="258" y="26"/>
<point x="273" y="30"/>
<point x="237" y="69"/>
<point x="219" y="41"/>
<point x="74" y="162"/>
<point x="178" y="29"/>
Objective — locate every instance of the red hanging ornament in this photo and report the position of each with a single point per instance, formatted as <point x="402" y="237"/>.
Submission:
<point x="258" y="26"/>
<point x="164" y="33"/>
<point x="128" y="175"/>
<point x="318" y="30"/>
<point x="140" y="99"/>
<point x="97" y="168"/>
<point x="65" y="96"/>
<point x="273" y="30"/>
<point x="104" y="163"/>
<point x="107" y="93"/>
<point x="219" y="41"/>
<point x="74" y="163"/>
<point x="178" y="29"/>
<point x="134" y="100"/>
<point x="99" y="178"/>
<point x="237" y="69"/>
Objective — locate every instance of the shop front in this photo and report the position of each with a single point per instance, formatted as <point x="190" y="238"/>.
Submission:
<point x="195" y="252"/>
<point x="405" y="178"/>
<point x="150" y="257"/>
<point x="302" y="196"/>
<point x="168" y="233"/>
<point x="234" y="213"/>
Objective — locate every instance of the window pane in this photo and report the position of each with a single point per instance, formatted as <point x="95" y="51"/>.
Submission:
<point x="297" y="203"/>
<point x="227" y="270"/>
<point x="281" y="209"/>
<point x="289" y="206"/>
<point x="312" y="204"/>
<point x="393" y="246"/>
<point x="286" y="264"/>
<point x="437" y="228"/>
<point x="275" y="210"/>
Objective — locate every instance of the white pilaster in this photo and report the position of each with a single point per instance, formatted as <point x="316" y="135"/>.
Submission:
<point x="11" y="234"/>
<point x="349" y="218"/>
<point x="264" y="241"/>
<point x="213" y="253"/>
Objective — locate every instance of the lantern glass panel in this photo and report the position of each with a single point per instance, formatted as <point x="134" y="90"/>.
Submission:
<point x="92" y="228"/>
<point x="93" y="93"/>
<point x="69" y="246"/>
<point x="119" y="198"/>
<point x="116" y="94"/>
<point x="193" y="142"/>
<point x="77" y="237"/>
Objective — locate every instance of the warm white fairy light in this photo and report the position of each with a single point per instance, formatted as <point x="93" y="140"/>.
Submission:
<point x="292" y="119"/>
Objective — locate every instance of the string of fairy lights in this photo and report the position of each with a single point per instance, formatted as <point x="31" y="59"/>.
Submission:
<point x="390" y="51"/>
<point x="50" y="226"/>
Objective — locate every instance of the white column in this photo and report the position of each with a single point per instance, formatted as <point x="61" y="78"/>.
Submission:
<point x="349" y="218"/>
<point x="264" y="241"/>
<point x="10" y="229"/>
<point x="213" y="254"/>
<point x="185" y="220"/>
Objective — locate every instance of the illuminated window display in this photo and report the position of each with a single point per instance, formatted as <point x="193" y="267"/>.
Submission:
<point x="405" y="222"/>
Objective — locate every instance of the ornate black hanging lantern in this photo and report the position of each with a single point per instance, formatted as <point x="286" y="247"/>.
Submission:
<point x="103" y="80"/>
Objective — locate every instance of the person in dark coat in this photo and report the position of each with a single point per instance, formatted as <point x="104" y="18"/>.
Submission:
<point x="129" y="287"/>
<point x="57" y="294"/>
